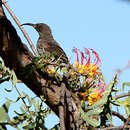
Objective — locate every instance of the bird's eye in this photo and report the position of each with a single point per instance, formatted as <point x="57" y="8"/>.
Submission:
<point x="39" y="27"/>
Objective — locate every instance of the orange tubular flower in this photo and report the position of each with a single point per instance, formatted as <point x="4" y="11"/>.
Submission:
<point x="76" y="51"/>
<point x="87" y="53"/>
<point x="97" y="59"/>
<point x="93" y="83"/>
<point x="82" y="58"/>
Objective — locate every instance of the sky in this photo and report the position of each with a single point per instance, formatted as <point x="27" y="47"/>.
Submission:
<point x="103" y="25"/>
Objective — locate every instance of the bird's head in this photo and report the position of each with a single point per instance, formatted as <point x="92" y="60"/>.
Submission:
<point x="42" y="29"/>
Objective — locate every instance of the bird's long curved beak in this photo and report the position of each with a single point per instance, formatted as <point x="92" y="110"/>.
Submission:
<point x="30" y="24"/>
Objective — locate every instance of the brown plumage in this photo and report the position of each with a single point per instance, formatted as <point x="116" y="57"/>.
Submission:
<point x="46" y="42"/>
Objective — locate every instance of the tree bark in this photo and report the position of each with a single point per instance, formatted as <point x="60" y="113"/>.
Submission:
<point x="17" y="57"/>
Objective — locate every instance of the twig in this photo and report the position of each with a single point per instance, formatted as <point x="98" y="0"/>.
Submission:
<point x="122" y="95"/>
<point x="62" y="65"/>
<point x="24" y="103"/>
<point x="127" y="122"/>
<point x="21" y="28"/>
<point x="119" y="116"/>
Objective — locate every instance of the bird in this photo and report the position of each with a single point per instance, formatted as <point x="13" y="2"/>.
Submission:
<point x="46" y="42"/>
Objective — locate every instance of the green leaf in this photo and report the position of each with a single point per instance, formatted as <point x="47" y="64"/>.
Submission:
<point x="13" y="78"/>
<point x="63" y="70"/>
<point x="2" y="65"/>
<point x="82" y="113"/>
<point x="87" y="118"/>
<point x="4" y="112"/>
<point x="28" y="125"/>
<point x="11" y="101"/>
<point x="29" y="101"/>
<point x="36" y="105"/>
<point x="36" y="59"/>
<point x="126" y="104"/>
<point x="103" y="111"/>
<point x="94" y="112"/>
<point x="93" y="122"/>
<point x="109" y="117"/>
<point x="22" y="110"/>
<point x="105" y="94"/>
<point x="40" y="66"/>
<point x="20" y="114"/>
<point x="100" y="102"/>
<point x="127" y="110"/>
<point x="8" y="90"/>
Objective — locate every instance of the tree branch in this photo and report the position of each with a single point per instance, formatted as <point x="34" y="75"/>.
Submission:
<point x="127" y="123"/>
<point x="17" y="57"/>
<point x="122" y="95"/>
<point x="119" y="116"/>
<point x="116" y="128"/>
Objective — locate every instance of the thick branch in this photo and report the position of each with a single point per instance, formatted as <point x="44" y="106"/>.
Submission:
<point x="17" y="57"/>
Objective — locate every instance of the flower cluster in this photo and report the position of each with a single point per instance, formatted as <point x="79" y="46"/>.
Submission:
<point x="91" y="79"/>
<point x="86" y="78"/>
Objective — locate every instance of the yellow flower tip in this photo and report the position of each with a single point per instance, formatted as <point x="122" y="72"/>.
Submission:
<point x="81" y="94"/>
<point x="90" y="104"/>
<point x="88" y="65"/>
<point x="89" y="98"/>
<point x="48" y="70"/>
<point x="76" y="65"/>
<point x="90" y="73"/>
<point x="51" y="69"/>
<point x="81" y="71"/>
<point x="72" y="73"/>
<point x="83" y="66"/>
<point x="92" y="98"/>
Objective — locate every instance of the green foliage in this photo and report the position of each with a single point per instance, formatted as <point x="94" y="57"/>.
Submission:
<point x="4" y="112"/>
<point x="96" y="115"/>
<point x="125" y="84"/>
<point x="126" y="104"/>
<point x="101" y="108"/>
<point x="24" y="119"/>
<point x="28" y="118"/>
<point x="13" y="78"/>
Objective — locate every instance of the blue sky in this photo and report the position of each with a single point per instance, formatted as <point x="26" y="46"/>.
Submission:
<point x="103" y="25"/>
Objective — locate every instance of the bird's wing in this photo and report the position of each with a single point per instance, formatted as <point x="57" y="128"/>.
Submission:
<point x="53" y="47"/>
